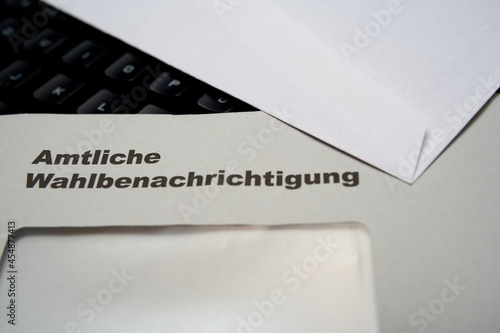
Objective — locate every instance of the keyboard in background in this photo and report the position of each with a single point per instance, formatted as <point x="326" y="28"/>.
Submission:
<point x="53" y="63"/>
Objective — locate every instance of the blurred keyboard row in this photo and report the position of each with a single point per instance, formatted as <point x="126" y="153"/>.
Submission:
<point x="53" y="63"/>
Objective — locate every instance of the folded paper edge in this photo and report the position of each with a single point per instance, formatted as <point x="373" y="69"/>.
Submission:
<point x="374" y="144"/>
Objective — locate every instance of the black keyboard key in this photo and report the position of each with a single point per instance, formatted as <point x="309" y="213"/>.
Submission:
<point x="125" y="69"/>
<point x="7" y="109"/>
<point x="17" y="73"/>
<point x="9" y="26"/>
<point x="46" y="41"/>
<point x="21" y="4"/>
<point x="58" y="89"/>
<point x="168" y="85"/>
<point x="152" y="109"/>
<point x="216" y="102"/>
<point x="84" y="54"/>
<point x="104" y="101"/>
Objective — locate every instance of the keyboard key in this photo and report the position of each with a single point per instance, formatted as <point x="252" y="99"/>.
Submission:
<point x="168" y="85"/>
<point x="84" y="54"/>
<point x="7" y="109"/>
<point x="104" y="101"/>
<point x="216" y="102"/>
<point x="21" y="4"/>
<point x="45" y="42"/>
<point x="58" y="89"/>
<point x="17" y="73"/>
<point x="151" y="109"/>
<point x="9" y="26"/>
<point x="125" y="69"/>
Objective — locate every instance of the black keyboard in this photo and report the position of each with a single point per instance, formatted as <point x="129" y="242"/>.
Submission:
<point x="52" y="63"/>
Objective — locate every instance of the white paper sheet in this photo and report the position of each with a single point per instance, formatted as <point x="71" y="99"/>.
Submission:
<point x="421" y="76"/>
<point x="440" y="58"/>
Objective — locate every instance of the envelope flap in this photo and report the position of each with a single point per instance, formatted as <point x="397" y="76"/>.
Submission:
<point x="253" y="60"/>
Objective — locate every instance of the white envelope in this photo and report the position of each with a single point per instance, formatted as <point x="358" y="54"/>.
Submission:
<point x="441" y="231"/>
<point x="389" y="82"/>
